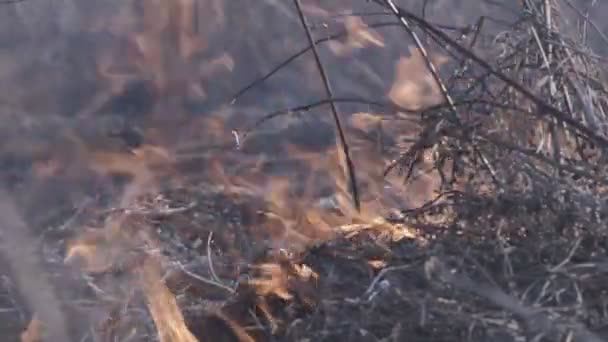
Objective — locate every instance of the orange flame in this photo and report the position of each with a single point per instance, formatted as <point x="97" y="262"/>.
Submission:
<point x="163" y="306"/>
<point x="415" y="87"/>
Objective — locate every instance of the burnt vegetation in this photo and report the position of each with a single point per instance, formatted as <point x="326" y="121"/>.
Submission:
<point x="183" y="186"/>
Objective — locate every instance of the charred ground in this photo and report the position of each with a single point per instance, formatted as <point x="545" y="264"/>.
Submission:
<point x="142" y="200"/>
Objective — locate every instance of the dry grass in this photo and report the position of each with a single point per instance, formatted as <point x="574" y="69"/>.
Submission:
<point x="480" y="168"/>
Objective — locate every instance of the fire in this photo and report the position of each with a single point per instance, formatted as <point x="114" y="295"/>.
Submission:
<point x="296" y="210"/>
<point x="359" y="36"/>
<point x="414" y="87"/>
<point x="33" y="333"/>
<point x="163" y="306"/>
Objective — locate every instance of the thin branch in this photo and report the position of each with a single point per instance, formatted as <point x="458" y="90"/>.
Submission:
<point x="430" y="65"/>
<point x="431" y="135"/>
<point x="335" y="36"/>
<point x="543" y="108"/>
<point x="349" y="163"/>
<point x="309" y="106"/>
<point x="293" y="57"/>
<point x="210" y="258"/>
<point x="242" y="136"/>
<point x="589" y="21"/>
<point x="579" y="171"/>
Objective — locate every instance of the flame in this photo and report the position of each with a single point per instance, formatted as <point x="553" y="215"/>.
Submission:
<point x="115" y="245"/>
<point x="414" y="87"/>
<point x="91" y="251"/>
<point x="359" y="36"/>
<point x="163" y="53"/>
<point x="97" y="250"/>
<point x="283" y="279"/>
<point x="160" y="52"/>
<point x="167" y="25"/>
<point x="273" y="280"/>
<point x="163" y="305"/>
<point x="124" y="241"/>
<point x="33" y="332"/>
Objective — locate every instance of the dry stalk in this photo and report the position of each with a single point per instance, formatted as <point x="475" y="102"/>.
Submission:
<point x="536" y="321"/>
<point x="349" y="165"/>
<point x="163" y="305"/>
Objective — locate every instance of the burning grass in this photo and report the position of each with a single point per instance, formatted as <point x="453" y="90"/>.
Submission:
<point x="466" y="202"/>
